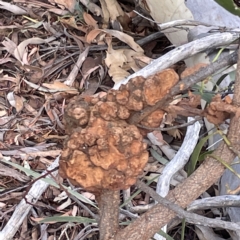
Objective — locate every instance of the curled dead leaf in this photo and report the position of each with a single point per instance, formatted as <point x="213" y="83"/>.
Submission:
<point x="68" y="4"/>
<point x="15" y="101"/>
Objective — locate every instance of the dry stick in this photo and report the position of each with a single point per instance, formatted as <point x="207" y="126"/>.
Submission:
<point x="190" y="217"/>
<point x="109" y="201"/>
<point x="173" y="127"/>
<point x="71" y="78"/>
<point x="206" y="175"/>
<point x="215" y="202"/>
<point x="185" y="84"/>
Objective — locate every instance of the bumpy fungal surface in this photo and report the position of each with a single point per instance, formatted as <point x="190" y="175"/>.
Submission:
<point x="218" y="110"/>
<point x="107" y="155"/>
<point x="103" y="151"/>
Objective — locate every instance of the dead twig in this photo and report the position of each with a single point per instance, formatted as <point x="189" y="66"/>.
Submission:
<point x="71" y="78"/>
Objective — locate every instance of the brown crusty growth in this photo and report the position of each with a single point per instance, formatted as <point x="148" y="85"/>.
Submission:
<point x="218" y="110"/>
<point x="106" y="155"/>
<point x="103" y="151"/>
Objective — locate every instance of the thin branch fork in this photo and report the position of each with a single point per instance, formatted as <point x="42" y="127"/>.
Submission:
<point x="189" y="216"/>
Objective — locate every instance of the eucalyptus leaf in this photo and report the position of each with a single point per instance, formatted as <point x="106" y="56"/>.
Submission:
<point x="158" y="157"/>
<point x="67" y="219"/>
<point x="207" y="96"/>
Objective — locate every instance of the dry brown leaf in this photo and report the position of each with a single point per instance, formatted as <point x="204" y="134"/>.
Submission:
<point x="9" y="45"/>
<point x="21" y="48"/>
<point x="12" y="8"/>
<point x="88" y="195"/>
<point x="86" y="75"/>
<point x="115" y="60"/>
<point x="90" y="63"/>
<point x="2" y="205"/>
<point x="51" y="153"/>
<point x="143" y="59"/>
<point x="5" y="60"/>
<point x="105" y="14"/>
<point x="59" y="86"/>
<point x="72" y="23"/>
<point x="64" y="204"/>
<point x="89" y="20"/>
<point x="117" y="73"/>
<point x="58" y="11"/>
<point x="125" y="38"/>
<point x="69" y="4"/>
<point x="131" y="56"/>
<point x="7" y="171"/>
<point x="120" y="35"/>
<point x="92" y="35"/>
<point x="115" y="57"/>
<point x="114" y="9"/>
<point x="34" y="73"/>
<point x="158" y="136"/>
<point x="5" y="120"/>
<point x="3" y="112"/>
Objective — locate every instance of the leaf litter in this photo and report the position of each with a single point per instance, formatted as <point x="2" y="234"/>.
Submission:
<point x="52" y="51"/>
